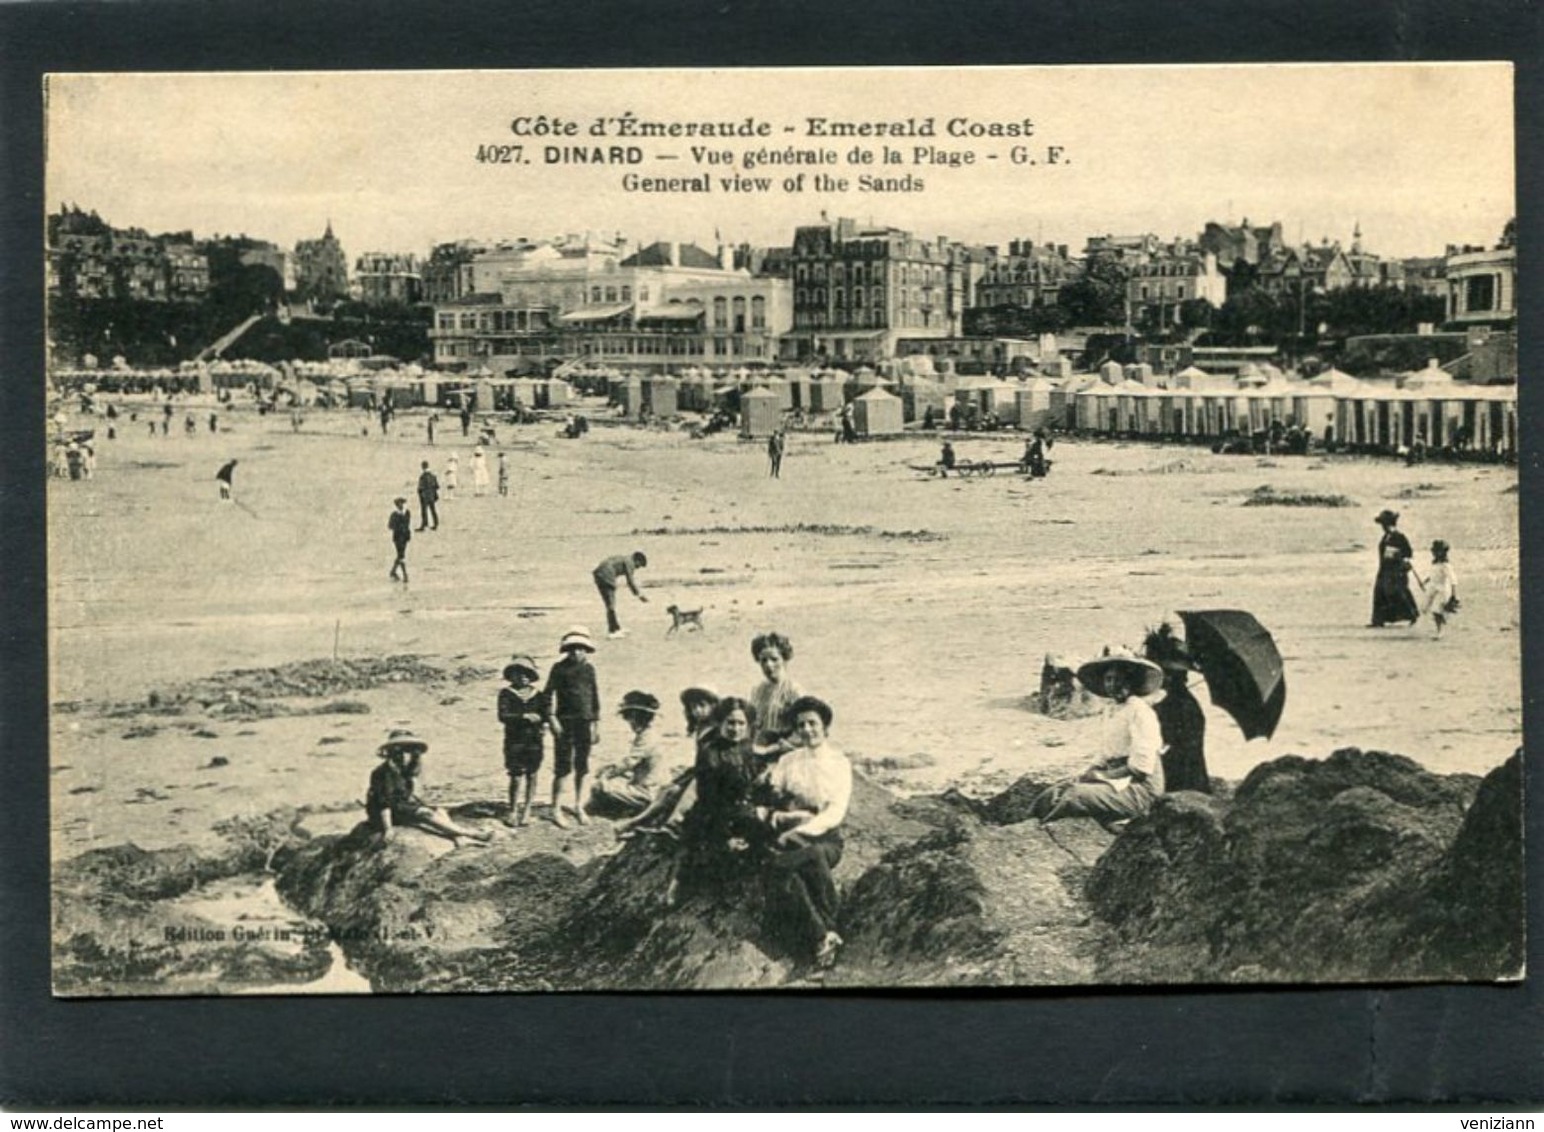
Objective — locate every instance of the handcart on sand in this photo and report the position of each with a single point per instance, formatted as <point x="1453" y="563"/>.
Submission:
<point x="972" y="468"/>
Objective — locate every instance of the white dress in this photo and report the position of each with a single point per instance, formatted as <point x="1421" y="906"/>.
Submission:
<point x="479" y="473"/>
<point x="1441" y="585"/>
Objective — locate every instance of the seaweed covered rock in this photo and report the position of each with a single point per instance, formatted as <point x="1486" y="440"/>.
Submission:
<point x="624" y="934"/>
<point x="975" y="904"/>
<point x="125" y="922"/>
<point x="1321" y="870"/>
<point x="412" y="913"/>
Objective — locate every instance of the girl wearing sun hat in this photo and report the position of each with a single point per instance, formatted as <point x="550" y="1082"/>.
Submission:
<point x="627" y="788"/>
<point x="1128" y="776"/>
<point x="391" y="801"/>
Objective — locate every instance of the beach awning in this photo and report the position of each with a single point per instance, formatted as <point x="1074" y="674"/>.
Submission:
<point x="595" y="314"/>
<point x="681" y="313"/>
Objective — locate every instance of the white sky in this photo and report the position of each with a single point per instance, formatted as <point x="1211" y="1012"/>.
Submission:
<point x="1421" y="155"/>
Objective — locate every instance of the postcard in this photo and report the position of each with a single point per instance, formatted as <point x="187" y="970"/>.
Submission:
<point x="726" y="529"/>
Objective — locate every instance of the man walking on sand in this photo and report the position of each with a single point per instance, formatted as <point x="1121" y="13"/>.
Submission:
<point x="606" y="580"/>
<point x="226" y="473"/>
<point x="428" y="496"/>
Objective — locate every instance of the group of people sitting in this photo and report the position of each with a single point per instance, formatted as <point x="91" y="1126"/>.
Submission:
<point x="756" y="787"/>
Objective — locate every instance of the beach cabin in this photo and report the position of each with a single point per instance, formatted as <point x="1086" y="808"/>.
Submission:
<point x="877" y="413"/>
<point x="760" y="412"/>
<point x="825" y="390"/>
<point x="1191" y="377"/>
<point x="1095" y="408"/>
<point x="1131" y="401"/>
<point x="781" y="390"/>
<point x="660" y="396"/>
<point x="629" y="398"/>
<point x="920" y="395"/>
<point x="1032" y="403"/>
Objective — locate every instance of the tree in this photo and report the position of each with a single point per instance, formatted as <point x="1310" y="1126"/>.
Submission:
<point x="1099" y="297"/>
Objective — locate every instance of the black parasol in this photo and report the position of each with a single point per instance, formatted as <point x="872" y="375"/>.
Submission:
<point x="1241" y="665"/>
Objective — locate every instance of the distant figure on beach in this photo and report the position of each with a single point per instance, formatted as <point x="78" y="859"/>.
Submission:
<point x="214" y="422"/>
<point x="503" y="475"/>
<point x="1180" y="718"/>
<point x="1391" y="597"/>
<point x="466" y="418"/>
<point x="224" y="477"/>
<point x="189" y="426"/>
<point x="1128" y="776"/>
<point x="479" y="472"/>
<point x="1035" y="462"/>
<point x="452" y="475"/>
<point x="1440" y="589"/>
<point x="400" y="523"/>
<point x="385" y="418"/>
<point x="391" y="802"/>
<point x="296" y="420"/>
<point x="775" y="444"/>
<point x="946" y="459"/>
<point x="573" y="706"/>
<point x="523" y="713"/>
<point x="428" y="498"/>
<point x="608" y="575"/>
<point x="429" y="424"/>
<point x="849" y="424"/>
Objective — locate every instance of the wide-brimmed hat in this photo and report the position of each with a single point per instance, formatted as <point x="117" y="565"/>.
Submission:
<point x="576" y="638"/>
<point x="700" y="692"/>
<point x="1167" y="649"/>
<point x="1143" y="676"/>
<point x="401" y="739"/>
<point x="1386" y="516"/>
<point x="400" y="499"/>
<point x="639" y="701"/>
<point x="1440" y="546"/>
<point x="520" y="663"/>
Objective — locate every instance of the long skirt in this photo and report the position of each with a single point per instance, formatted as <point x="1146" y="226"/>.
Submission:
<point x="1391" y="598"/>
<point x="801" y="873"/>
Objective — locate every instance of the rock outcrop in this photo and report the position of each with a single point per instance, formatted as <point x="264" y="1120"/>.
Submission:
<point x="1362" y="866"/>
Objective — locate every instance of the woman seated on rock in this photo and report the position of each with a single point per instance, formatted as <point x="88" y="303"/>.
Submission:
<point x="773" y="697"/>
<point x="716" y="831"/>
<point x="674" y="802"/>
<point x="1128" y="776"/>
<point x="627" y="788"/>
<point x="391" y="802"/>
<point x="809" y="788"/>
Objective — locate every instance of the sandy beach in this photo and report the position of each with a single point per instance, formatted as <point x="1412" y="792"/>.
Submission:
<point x="920" y="608"/>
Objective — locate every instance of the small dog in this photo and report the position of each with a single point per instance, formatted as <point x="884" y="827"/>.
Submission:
<point x="683" y="619"/>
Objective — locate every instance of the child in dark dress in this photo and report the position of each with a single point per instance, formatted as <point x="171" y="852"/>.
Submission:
<point x="391" y="801"/>
<point x="523" y="712"/>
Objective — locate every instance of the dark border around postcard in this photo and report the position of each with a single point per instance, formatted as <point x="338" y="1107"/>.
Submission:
<point x="1258" y="1048"/>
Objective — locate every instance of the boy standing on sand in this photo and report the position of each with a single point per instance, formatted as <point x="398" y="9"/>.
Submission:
<point x="573" y="709"/>
<point x="400" y="523"/>
<point x="523" y="712"/>
<point x="226" y="473"/>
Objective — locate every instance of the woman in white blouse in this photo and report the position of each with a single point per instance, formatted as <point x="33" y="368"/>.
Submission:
<point x="810" y="787"/>
<point x="1129" y="775"/>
